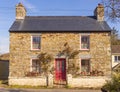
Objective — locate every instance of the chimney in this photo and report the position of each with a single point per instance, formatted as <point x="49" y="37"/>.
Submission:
<point x="99" y="12"/>
<point x="20" y="11"/>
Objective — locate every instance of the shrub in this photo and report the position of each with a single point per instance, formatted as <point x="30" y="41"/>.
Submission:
<point x="114" y="84"/>
<point x="32" y="74"/>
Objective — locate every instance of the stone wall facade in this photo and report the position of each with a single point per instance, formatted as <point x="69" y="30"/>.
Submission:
<point x="21" y="53"/>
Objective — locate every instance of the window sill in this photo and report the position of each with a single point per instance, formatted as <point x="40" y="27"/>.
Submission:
<point x="84" y="49"/>
<point x="35" y="49"/>
<point x="116" y="61"/>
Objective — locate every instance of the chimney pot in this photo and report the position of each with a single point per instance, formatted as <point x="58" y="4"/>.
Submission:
<point x="99" y="12"/>
<point x="20" y="11"/>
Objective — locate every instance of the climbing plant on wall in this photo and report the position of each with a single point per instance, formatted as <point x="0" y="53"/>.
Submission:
<point x="70" y="55"/>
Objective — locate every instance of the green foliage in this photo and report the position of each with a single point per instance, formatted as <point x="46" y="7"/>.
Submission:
<point x="32" y="74"/>
<point x="0" y="57"/>
<point x="96" y="73"/>
<point x="4" y="82"/>
<point x="114" y="84"/>
<point x="67" y="86"/>
<point x="73" y="54"/>
<point x="114" y="37"/>
<point x="44" y="57"/>
<point x="69" y="52"/>
<point x="70" y="56"/>
<point x="45" y="62"/>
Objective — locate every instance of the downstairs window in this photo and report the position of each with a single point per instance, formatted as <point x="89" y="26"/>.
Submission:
<point x="35" y="65"/>
<point x="85" y="65"/>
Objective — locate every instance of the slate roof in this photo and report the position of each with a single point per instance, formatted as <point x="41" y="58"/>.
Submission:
<point x="115" y="48"/>
<point x="58" y="23"/>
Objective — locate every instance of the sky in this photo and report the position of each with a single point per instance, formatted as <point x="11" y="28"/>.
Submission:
<point x="43" y="8"/>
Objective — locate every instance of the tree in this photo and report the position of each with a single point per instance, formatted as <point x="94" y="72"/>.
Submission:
<point x="114" y="37"/>
<point x="45" y="62"/>
<point x="112" y="8"/>
<point x="0" y="57"/>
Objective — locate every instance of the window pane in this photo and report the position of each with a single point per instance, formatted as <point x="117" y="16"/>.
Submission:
<point x="115" y="58"/>
<point x="36" y="42"/>
<point x="63" y="65"/>
<point x="85" y="66"/>
<point x="35" y="66"/>
<point x="58" y="65"/>
<point x="84" y="42"/>
<point x="118" y="58"/>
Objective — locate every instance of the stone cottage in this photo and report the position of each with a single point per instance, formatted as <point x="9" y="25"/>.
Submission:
<point x="31" y="35"/>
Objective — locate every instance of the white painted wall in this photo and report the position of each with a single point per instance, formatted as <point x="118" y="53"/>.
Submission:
<point x="113" y="62"/>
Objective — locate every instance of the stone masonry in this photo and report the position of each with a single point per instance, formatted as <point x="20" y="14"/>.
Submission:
<point x="21" y="53"/>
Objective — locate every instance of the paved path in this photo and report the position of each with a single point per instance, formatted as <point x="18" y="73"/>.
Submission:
<point x="46" y="90"/>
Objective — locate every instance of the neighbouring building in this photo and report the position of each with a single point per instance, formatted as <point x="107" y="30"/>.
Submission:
<point x="115" y="57"/>
<point x="4" y="66"/>
<point x="31" y="35"/>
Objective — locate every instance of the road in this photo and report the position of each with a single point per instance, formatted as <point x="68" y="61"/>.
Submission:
<point x="45" y="90"/>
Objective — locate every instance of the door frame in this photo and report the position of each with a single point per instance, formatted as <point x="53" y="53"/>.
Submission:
<point x="55" y="68"/>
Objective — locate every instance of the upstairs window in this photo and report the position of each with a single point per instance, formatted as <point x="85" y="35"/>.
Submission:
<point x="117" y="58"/>
<point x="85" y="42"/>
<point x="35" y="66"/>
<point x="36" y="40"/>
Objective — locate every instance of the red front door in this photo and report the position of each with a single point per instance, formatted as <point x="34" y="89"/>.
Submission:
<point x="60" y="69"/>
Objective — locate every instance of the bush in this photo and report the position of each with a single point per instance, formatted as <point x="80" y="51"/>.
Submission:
<point x="32" y="74"/>
<point x="114" y="84"/>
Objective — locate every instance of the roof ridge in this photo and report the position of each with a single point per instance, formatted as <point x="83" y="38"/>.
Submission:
<point x="59" y="16"/>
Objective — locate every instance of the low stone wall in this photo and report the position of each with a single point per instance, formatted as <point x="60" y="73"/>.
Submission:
<point x="79" y="82"/>
<point x="32" y="81"/>
<point x="87" y="82"/>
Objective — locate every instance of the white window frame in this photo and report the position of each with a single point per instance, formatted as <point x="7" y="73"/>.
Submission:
<point x="31" y="66"/>
<point x="117" y="58"/>
<point x="81" y="65"/>
<point x="81" y="41"/>
<point x="32" y="41"/>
